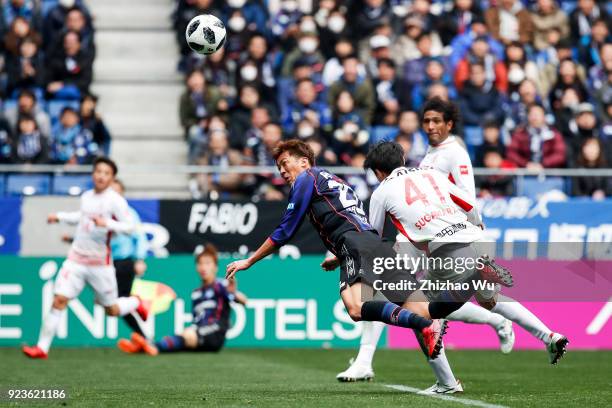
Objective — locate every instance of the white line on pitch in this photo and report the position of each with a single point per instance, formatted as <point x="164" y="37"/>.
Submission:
<point x="463" y="401"/>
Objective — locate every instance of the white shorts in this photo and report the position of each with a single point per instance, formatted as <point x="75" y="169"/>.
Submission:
<point x="73" y="276"/>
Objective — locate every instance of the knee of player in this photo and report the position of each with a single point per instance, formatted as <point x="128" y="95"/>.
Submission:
<point x="112" y="310"/>
<point x="486" y="303"/>
<point x="354" y="312"/>
<point x="60" y="302"/>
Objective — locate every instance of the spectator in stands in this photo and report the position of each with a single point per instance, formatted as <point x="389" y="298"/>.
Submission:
<point x="350" y="133"/>
<point x="590" y="47"/>
<point x="220" y="71"/>
<point x="260" y="116"/>
<point x="599" y="75"/>
<point x="7" y="142"/>
<point x="55" y="21"/>
<point x="582" y="127"/>
<point x="518" y="68"/>
<point x="457" y="21"/>
<point x="76" y="21"/>
<point x="479" y="101"/>
<point x="438" y="90"/>
<point x="379" y="48"/>
<point x="374" y="13"/>
<point x="25" y="71"/>
<point x="414" y="69"/>
<point x="536" y="145"/>
<point x="284" y="25"/>
<point x="307" y="50"/>
<point x="31" y="146"/>
<point x="257" y="52"/>
<point x="19" y="31"/>
<point x="568" y="76"/>
<point x="252" y="11"/>
<point x="603" y="98"/>
<point x="324" y="156"/>
<point x="240" y="117"/>
<point x="306" y="106"/>
<point x="71" y="144"/>
<point x="592" y="156"/>
<point x="462" y="44"/>
<point x="515" y="108"/>
<point x="13" y="9"/>
<point x="412" y="138"/>
<point x="332" y="29"/>
<point x="333" y="69"/>
<point x="492" y="141"/>
<point x="219" y="153"/>
<point x="287" y="86"/>
<point x="269" y="186"/>
<point x="495" y="70"/>
<point x="199" y="136"/>
<point x="70" y="70"/>
<point x="547" y="16"/>
<point x="550" y="59"/>
<point x="92" y="121"/>
<point x="360" y="88"/>
<point x="583" y="17"/>
<point x="498" y="185"/>
<point x="509" y="22"/>
<point x="434" y="74"/>
<point x="198" y="101"/>
<point x="27" y="105"/>
<point x="392" y="94"/>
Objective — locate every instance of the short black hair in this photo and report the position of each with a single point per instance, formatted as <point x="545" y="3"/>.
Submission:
<point x="108" y="162"/>
<point x="448" y="109"/>
<point x="385" y="157"/>
<point x="386" y="61"/>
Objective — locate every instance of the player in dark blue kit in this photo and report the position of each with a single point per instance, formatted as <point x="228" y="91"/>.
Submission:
<point x="338" y="216"/>
<point x="210" y="307"/>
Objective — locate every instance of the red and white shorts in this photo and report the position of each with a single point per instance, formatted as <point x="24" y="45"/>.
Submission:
<point x="73" y="276"/>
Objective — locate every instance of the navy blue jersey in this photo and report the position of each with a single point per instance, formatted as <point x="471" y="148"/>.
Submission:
<point x="331" y="205"/>
<point x="211" y="305"/>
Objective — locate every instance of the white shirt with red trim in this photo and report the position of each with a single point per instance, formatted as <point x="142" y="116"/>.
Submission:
<point x="451" y="158"/>
<point x="426" y="208"/>
<point x="91" y="244"/>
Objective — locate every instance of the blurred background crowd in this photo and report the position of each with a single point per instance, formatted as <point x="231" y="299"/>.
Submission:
<point x="532" y="79"/>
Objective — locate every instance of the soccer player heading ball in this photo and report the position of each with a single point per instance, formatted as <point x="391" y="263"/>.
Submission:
<point x="210" y="309"/>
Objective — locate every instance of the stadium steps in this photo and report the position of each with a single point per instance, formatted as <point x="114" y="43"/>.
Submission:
<point x="135" y="76"/>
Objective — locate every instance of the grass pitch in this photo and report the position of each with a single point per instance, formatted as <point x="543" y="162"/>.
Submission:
<point x="306" y="378"/>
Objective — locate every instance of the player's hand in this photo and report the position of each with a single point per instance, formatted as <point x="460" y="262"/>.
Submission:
<point x="329" y="264"/>
<point x="52" y="219"/>
<point x="99" y="221"/>
<point x="236" y="266"/>
<point x="140" y="267"/>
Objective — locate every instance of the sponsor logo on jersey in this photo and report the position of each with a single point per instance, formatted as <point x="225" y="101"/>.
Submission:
<point x="424" y="220"/>
<point x="463" y="169"/>
<point x="451" y="230"/>
<point x="290" y="206"/>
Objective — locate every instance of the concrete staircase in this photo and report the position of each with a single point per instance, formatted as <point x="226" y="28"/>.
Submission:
<point x="135" y="76"/>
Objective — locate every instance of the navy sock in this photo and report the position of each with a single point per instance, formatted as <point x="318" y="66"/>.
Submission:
<point x="170" y="343"/>
<point x="393" y="314"/>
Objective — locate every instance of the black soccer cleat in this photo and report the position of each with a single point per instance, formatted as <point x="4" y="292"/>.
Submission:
<point x="494" y="272"/>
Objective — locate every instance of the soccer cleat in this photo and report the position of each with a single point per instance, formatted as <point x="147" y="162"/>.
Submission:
<point x="144" y="345"/>
<point x="143" y="309"/>
<point x="442" y="389"/>
<point x="506" y="336"/>
<point x="356" y="372"/>
<point x="128" y="347"/>
<point x="493" y="272"/>
<point x="34" y="352"/>
<point x="432" y="337"/>
<point x="557" y="347"/>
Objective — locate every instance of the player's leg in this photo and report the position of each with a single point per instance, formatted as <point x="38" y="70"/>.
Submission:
<point x="124" y="271"/>
<point x="103" y="281"/>
<point x="474" y="314"/>
<point x="68" y="285"/>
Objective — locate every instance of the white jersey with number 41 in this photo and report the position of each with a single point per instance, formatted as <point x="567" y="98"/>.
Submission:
<point x="426" y="208"/>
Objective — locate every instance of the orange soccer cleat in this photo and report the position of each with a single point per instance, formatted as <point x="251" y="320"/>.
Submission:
<point x="34" y="352"/>
<point x="432" y="335"/>
<point x="147" y="347"/>
<point x="127" y="346"/>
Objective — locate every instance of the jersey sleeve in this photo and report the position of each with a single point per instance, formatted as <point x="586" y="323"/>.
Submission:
<point x="69" y="217"/>
<point x="465" y="201"/>
<point x="377" y="213"/>
<point x="299" y="202"/>
<point x="122" y="222"/>
<point x="461" y="172"/>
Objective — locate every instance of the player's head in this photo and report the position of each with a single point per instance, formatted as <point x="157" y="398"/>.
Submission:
<point x="438" y="118"/>
<point x="118" y="186"/>
<point x="383" y="158"/>
<point x="206" y="263"/>
<point x="292" y="158"/>
<point x="104" y="172"/>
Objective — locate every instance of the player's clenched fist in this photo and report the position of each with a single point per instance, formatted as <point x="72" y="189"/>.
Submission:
<point x="236" y="266"/>
<point x="52" y="219"/>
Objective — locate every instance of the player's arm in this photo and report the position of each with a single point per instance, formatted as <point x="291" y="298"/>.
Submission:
<point x="299" y="201"/>
<point x="123" y="222"/>
<point x="377" y="213"/>
<point x="465" y="202"/>
<point x="462" y="173"/>
<point x="234" y="294"/>
<point x="66" y="217"/>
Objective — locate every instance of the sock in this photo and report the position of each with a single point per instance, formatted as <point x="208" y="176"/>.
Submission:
<point x="131" y="321"/>
<point x="127" y="304"/>
<point x="390" y="313"/>
<point x="443" y="305"/>
<point x="371" y="332"/>
<point x="47" y="332"/>
<point x="519" y="314"/>
<point x="439" y="365"/>
<point x="170" y="343"/>
<point x="471" y="313"/>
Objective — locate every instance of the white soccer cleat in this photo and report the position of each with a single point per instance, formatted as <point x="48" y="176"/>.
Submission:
<point x="356" y="372"/>
<point x="442" y="389"/>
<point x="557" y="347"/>
<point x="506" y="337"/>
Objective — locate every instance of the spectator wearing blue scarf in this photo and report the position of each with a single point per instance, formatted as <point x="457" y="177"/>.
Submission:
<point x="72" y="144"/>
<point x="30" y="145"/>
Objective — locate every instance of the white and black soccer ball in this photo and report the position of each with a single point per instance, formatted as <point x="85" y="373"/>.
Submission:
<point x="205" y="34"/>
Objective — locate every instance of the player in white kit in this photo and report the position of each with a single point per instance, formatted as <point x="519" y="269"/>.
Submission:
<point x="103" y="212"/>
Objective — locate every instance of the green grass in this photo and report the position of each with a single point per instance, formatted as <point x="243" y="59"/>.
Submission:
<point x="305" y="378"/>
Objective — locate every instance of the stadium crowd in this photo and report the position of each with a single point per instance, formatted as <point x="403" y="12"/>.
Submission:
<point x="46" y="69"/>
<point x="532" y="79"/>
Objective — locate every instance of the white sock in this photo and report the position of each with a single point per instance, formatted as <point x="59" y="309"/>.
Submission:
<point x="127" y="304"/>
<point x="47" y="332"/>
<point x="519" y="314"/>
<point x="442" y="371"/>
<point x="471" y="313"/>
<point x="371" y="332"/>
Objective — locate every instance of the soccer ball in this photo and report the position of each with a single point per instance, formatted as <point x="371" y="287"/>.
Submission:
<point x="205" y="34"/>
